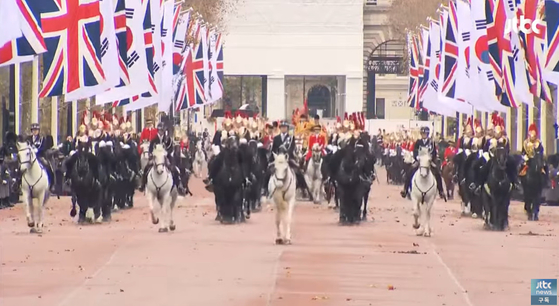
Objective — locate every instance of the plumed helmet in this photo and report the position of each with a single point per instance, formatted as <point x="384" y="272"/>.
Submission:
<point x="478" y="127"/>
<point x="238" y="117"/>
<point x="346" y="121"/>
<point x="533" y="130"/>
<point x="95" y="119"/>
<point x="227" y="122"/>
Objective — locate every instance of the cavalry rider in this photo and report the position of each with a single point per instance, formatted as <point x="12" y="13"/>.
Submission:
<point x="316" y="138"/>
<point x="479" y="135"/>
<point x="501" y="134"/>
<point x="219" y="136"/>
<point x="42" y="144"/>
<point x="149" y="132"/>
<point x="424" y="142"/>
<point x="449" y="153"/>
<point x="463" y="147"/>
<point x="285" y="143"/>
<point x="254" y="132"/>
<point x="333" y="141"/>
<point x="163" y="139"/>
<point x="268" y="136"/>
<point x="531" y="146"/>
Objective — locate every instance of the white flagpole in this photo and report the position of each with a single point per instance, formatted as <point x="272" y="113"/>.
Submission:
<point x="54" y="124"/>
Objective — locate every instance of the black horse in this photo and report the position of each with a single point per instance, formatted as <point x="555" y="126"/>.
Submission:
<point x="126" y="174"/>
<point x="259" y="165"/>
<point x="84" y="173"/>
<point x="532" y="184"/>
<point x="228" y="183"/>
<point x="183" y="161"/>
<point x="347" y="169"/>
<point x="107" y="180"/>
<point x="469" y="195"/>
<point x="497" y="190"/>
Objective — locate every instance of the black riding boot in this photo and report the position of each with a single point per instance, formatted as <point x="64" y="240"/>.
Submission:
<point x="177" y="181"/>
<point x="407" y="183"/>
<point x="144" y="178"/>
<point x="439" y="180"/>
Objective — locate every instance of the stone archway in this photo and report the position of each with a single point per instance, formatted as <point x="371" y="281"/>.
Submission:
<point x="319" y="98"/>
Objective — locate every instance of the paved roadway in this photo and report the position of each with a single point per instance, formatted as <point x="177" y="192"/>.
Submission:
<point x="127" y="262"/>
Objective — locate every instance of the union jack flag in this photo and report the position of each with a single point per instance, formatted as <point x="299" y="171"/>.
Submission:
<point x="32" y="43"/>
<point x="534" y="46"/>
<point x="72" y="36"/>
<point x="552" y="59"/>
<point x="216" y="69"/>
<point x="426" y="69"/>
<point x="449" y="58"/>
<point x="122" y="39"/>
<point x="198" y="70"/>
<point x="414" y="73"/>
<point x="186" y="94"/>
<point x="148" y="39"/>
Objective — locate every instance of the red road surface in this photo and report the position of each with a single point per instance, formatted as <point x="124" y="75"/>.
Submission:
<point x="127" y="262"/>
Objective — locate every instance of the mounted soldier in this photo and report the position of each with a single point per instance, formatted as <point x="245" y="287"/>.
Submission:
<point x="424" y="142"/>
<point x="164" y="139"/>
<point x="463" y="149"/>
<point x="334" y="137"/>
<point x="316" y="138"/>
<point x="531" y="146"/>
<point x="285" y="143"/>
<point x="42" y="144"/>
<point x="219" y="137"/>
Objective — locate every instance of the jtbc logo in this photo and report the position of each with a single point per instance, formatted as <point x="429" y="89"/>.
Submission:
<point x="524" y="25"/>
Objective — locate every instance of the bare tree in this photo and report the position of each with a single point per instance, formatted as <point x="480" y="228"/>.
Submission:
<point x="409" y="14"/>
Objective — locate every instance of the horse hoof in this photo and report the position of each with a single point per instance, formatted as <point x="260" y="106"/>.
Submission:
<point x="163" y="230"/>
<point x="419" y="233"/>
<point x="530" y="218"/>
<point x="427" y="234"/>
<point x="172" y="227"/>
<point x="218" y="218"/>
<point x="247" y="217"/>
<point x="364" y="218"/>
<point x="107" y="219"/>
<point x="474" y="215"/>
<point x="415" y="226"/>
<point x="536" y="218"/>
<point x="33" y="230"/>
<point x="287" y="241"/>
<point x="155" y="221"/>
<point x="463" y="214"/>
<point x="73" y="213"/>
<point x="31" y="224"/>
<point x="279" y="241"/>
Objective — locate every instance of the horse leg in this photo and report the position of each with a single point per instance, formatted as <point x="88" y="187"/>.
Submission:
<point x="288" y="220"/>
<point x="536" y="207"/>
<point x="416" y="215"/>
<point x="278" y="225"/>
<point x="29" y="209"/>
<point x="151" y="202"/>
<point x="163" y="213"/>
<point x="427" y="207"/>
<point x="316" y="190"/>
<point x="365" y="204"/>
<point x="172" y="225"/>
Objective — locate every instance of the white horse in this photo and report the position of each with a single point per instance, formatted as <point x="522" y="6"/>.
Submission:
<point x="423" y="194"/>
<point x="34" y="185"/>
<point x="313" y="173"/>
<point x="144" y="159"/>
<point x="160" y="188"/>
<point x="199" y="159"/>
<point x="282" y="188"/>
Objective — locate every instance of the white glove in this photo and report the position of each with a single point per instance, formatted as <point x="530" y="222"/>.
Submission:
<point x="525" y="157"/>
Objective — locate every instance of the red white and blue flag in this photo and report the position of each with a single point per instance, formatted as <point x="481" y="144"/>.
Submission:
<point x="122" y="41"/>
<point x="216" y="67"/>
<point x="72" y="35"/>
<point x="32" y="42"/>
<point x="551" y="73"/>
<point x="186" y="93"/>
<point x="413" y="85"/>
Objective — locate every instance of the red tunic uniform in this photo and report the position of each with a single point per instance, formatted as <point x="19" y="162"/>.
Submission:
<point x="267" y="141"/>
<point x="148" y="134"/>
<point x="315" y="139"/>
<point x="449" y="152"/>
<point x="184" y="145"/>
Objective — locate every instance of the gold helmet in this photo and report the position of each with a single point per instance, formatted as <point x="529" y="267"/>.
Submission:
<point x="238" y="118"/>
<point x="346" y="122"/>
<point x="228" y="122"/>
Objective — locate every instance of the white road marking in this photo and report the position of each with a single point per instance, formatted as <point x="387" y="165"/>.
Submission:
<point x="452" y="276"/>
<point x="274" y="279"/>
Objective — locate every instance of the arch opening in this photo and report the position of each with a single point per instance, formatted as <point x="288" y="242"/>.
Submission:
<point x="319" y="101"/>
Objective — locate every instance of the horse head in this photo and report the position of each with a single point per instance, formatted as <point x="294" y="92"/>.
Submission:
<point x="536" y="163"/>
<point x="231" y="143"/>
<point x="82" y="164"/>
<point x="159" y="156"/>
<point x="145" y="149"/>
<point x="25" y="154"/>
<point x="424" y="158"/>
<point x="281" y="165"/>
<point x="316" y="153"/>
<point x="501" y="157"/>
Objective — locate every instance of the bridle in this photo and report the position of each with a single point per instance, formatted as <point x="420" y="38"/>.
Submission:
<point x="31" y="162"/>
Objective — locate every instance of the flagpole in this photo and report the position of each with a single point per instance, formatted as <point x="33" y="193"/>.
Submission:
<point x="74" y="120"/>
<point x="54" y="120"/>
<point x="35" y="91"/>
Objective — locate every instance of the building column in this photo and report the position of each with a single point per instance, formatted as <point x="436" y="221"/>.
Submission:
<point x="54" y="124"/>
<point x="276" y="97"/>
<point x="17" y="93"/>
<point x="88" y="109"/>
<point x="143" y="118"/>
<point x="75" y="119"/>
<point x="520" y="125"/>
<point x="543" y="122"/>
<point x="35" y="91"/>
<point x="458" y="126"/>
